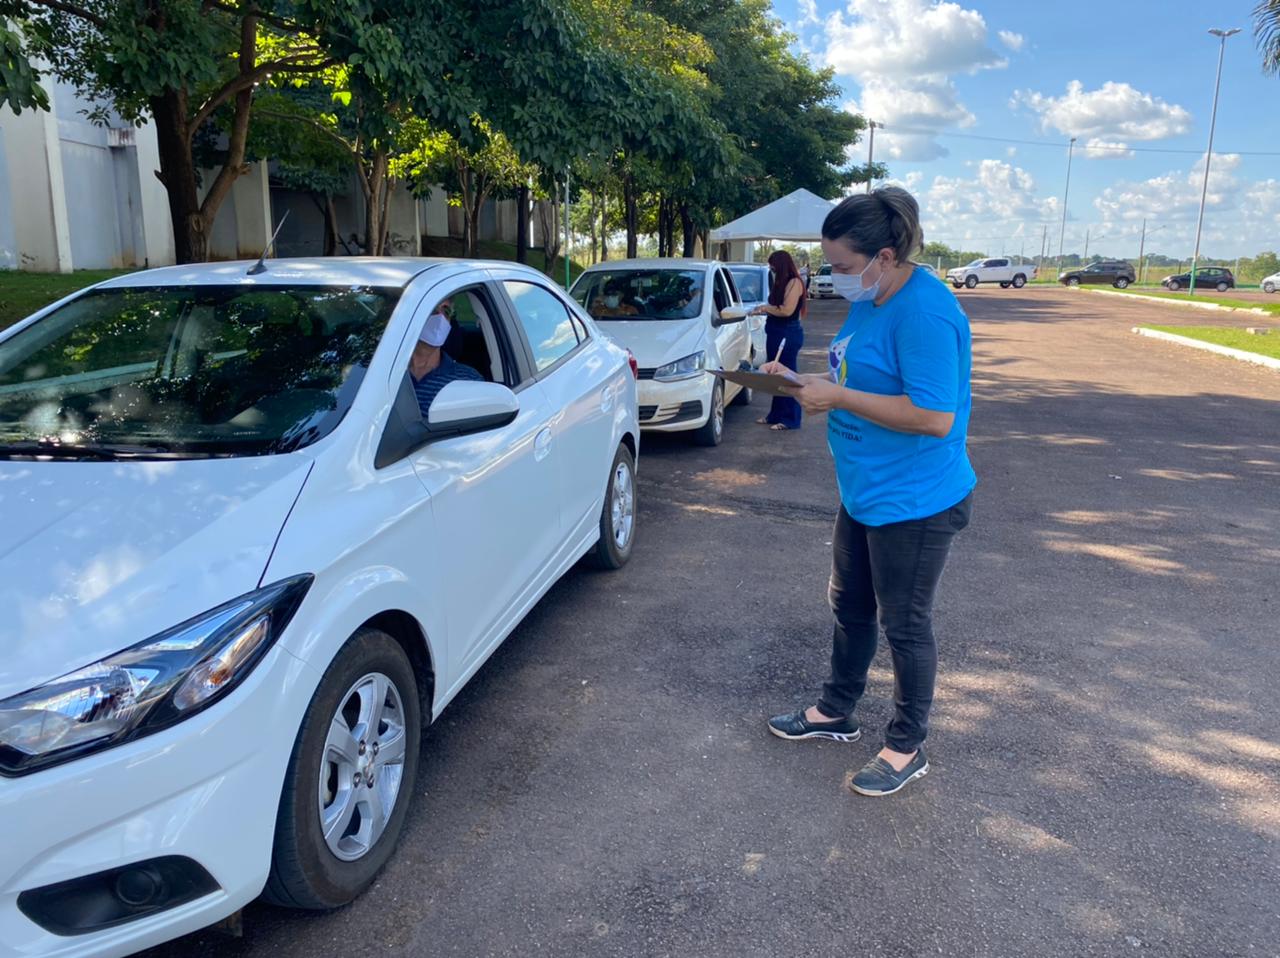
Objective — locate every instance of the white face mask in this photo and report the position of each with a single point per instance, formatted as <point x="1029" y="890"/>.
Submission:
<point x="851" y="288"/>
<point x="612" y="300"/>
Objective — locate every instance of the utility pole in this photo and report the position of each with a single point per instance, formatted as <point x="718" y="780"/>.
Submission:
<point x="1044" y="235"/>
<point x="1208" y="156"/>
<point x="1086" y="246"/>
<point x="1065" y="193"/>
<point x="871" y="149"/>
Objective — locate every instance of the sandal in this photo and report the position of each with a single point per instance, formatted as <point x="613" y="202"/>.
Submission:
<point x="763" y="421"/>
<point x="779" y="427"/>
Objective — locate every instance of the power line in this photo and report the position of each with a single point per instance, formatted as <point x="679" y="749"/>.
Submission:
<point x="1062" y="146"/>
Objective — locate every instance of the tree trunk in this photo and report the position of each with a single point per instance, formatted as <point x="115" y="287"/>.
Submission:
<point x="630" y="215"/>
<point x="687" y="228"/>
<point x="375" y="204"/>
<point x="522" y="225"/>
<point x="662" y="236"/>
<point x="178" y="174"/>
<point x="604" y="225"/>
<point x="549" y="222"/>
<point x="330" y="226"/>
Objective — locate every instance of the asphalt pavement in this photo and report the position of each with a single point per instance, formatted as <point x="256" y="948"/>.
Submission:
<point x="1105" y="745"/>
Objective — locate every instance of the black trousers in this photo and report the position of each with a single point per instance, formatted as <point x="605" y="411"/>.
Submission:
<point x="887" y="576"/>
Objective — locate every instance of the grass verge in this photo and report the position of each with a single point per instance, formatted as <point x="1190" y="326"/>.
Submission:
<point x="21" y="294"/>
<point x="1272" y="309"/>
<point x="1266" y="345"/>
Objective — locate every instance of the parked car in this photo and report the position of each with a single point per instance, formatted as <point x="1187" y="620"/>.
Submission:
<point x="1115" y="272"/>
<point x="241" y="572"/>
<point x="820" y="285"/>
<point x="1270" y="283"/>
<point x="679" y="317"/>
<point x="1211" y="277"/>
<point x="997" y="270"/>
<point x="753" y="281"/>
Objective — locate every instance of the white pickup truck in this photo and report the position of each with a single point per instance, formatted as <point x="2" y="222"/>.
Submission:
<point x="1000" y="270"/>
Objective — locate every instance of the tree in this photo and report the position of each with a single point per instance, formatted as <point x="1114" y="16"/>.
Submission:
<point x="19" y="80"/>
<point x="1266" y="31"/>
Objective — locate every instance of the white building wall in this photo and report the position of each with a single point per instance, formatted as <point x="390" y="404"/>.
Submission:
<point x="39" y="204"/>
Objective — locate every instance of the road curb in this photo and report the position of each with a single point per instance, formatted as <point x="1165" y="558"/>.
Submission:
<point x="1177" y="302"/>
<point x="1242" y="355"/>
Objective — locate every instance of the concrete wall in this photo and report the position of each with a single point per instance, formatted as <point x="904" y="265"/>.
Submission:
<point x="78" y="195"/>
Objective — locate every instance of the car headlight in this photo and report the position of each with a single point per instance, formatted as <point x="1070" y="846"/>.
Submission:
<point x="147" y="687"/>
<point x="682" y="368"/>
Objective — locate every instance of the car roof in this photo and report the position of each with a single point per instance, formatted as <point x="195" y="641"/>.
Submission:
<point x="379" y="271"/>
<point x="659" y="262"/>
<point x="745" y="265"/>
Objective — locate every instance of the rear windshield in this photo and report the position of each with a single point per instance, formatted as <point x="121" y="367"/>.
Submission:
<point x="639" y="294"/>
<point x="188" y="371"/>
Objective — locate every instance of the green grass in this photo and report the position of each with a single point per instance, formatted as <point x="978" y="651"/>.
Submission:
<point x="1266" y="345"/>
<point x="21" y="294"/>
<point x="1272" y="309"/>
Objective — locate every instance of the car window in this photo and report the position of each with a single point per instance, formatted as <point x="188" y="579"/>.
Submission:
<point x="638" y="293"/>
<point x="199" y="370"/>
<point x="750" y="284"/>
<point x="723" y="298"/>
<point x="547" y="322"/>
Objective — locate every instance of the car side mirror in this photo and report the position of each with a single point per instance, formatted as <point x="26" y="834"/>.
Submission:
<point x="459" y="409"/>
<point x="730" y="314"/>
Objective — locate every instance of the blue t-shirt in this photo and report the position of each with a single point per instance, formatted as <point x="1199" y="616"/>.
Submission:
<point x="429" y="386"/>
<point x="916" y="344"/>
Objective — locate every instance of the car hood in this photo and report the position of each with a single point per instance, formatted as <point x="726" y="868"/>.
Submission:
<point x="97" y="556"/>
<point x="656" y="342"/>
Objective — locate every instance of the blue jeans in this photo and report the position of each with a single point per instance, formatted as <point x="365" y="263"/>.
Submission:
<point x="887" y="576"/>
<point x="784" y="409"/>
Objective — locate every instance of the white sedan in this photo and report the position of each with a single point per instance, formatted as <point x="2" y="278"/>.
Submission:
<point x="241" y="571"/>
<point x="1270" y="283"/>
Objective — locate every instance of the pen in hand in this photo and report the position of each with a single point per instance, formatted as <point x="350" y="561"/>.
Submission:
<point x="781" y="346"/>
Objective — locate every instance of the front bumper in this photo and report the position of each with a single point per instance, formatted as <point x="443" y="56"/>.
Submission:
<point x="207" y="789"/>
<point x="674" y="407"/>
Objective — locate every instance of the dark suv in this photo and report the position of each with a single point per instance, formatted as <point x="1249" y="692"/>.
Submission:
<point x="1114" y="271"/>
<point x="1211" y="277"/>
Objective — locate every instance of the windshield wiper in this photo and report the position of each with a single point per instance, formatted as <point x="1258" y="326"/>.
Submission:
<point x="100" y="451"/>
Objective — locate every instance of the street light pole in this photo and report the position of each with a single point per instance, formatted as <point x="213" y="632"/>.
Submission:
<point x="871" y="149"/>
<point x="1065" y="193"/>
<point x="1208" y="156"/>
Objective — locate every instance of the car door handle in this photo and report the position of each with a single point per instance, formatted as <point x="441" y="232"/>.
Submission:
<point x="542" y="444"/>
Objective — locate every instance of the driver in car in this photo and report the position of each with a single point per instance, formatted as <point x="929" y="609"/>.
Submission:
<point x="430" y="367"/>
<point x="613" y="302"/>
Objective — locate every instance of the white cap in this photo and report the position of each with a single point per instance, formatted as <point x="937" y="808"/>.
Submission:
<point x="435" y="330"/>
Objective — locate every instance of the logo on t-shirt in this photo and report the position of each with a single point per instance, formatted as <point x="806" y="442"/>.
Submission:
<point x="839" y="368"/>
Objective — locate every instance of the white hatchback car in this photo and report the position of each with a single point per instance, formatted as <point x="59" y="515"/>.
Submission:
<point x="1270" y="283"/>
<point x="659" y="309"/>
<point x="240" y="571"/>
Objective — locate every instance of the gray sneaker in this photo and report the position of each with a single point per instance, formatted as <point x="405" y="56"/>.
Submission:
<point x="878" y="777"/>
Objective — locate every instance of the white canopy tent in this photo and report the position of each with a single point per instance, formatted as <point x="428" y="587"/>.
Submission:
<point x="796" y="217"/>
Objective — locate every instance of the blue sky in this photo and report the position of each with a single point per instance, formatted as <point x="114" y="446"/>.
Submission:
<point x="1126" y="78"/>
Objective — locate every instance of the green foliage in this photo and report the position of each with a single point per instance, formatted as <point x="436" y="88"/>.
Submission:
<point x="1266" y="32"/>
<point x="19" y="81"/>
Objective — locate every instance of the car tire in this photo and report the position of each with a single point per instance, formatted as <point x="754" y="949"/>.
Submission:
<point x="1005" y="285"/>
<point x="1223" y="287"/>
<point x="1173" y="285"/>
<point x="618" y="516"/>
<point x="1073" y="280"/>
<point x="744" y="397"/>
<point x="1122" y="282"/>
<point x="1268" y="287"/>
<point x="1019" y="281"/>
<point x="711" y="433"/>
<point x="970" y="282"/>
<point x="306" y="872"/>
<point x="956" y="285"/>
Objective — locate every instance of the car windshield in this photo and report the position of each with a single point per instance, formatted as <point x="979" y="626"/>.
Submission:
<point x="192" y="371"/>
<point x="976" y="262"/>
<point x="641" y="294"/>
<point x="825" y="270"/>
<point x="750" y="285"/>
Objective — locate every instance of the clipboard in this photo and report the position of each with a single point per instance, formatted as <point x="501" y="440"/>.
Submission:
<point x="771" y="383"/>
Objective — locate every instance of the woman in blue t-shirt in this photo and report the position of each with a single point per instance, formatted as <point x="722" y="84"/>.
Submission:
<point x="897" y="399"/>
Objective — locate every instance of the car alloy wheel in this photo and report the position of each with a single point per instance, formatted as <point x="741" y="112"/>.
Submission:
<point x="622" y="505"/>
<point x="1073" y="281"/>
<point x="1121" y="283"/>
<point x="618" y="515"/>
<point x="334" y="830"/>
<point x="1268" y="287"/>
<point x="363" y="767"/>
<point x="1223" y="287"/>
<point x="970" y="282"/>
<point x="1174" y="285"/>
<point x="712" y="432"/>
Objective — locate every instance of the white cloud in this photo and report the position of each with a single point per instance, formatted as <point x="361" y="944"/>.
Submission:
<point x="903" y="53"/>
<point x="1240" y="215"/>
<point x="1014" y="41"/>
<point x="809" y="12"/>
<point x="1113" y="111"/>
<point x="1100" y="149"/>
<point x="997" y="208"/>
